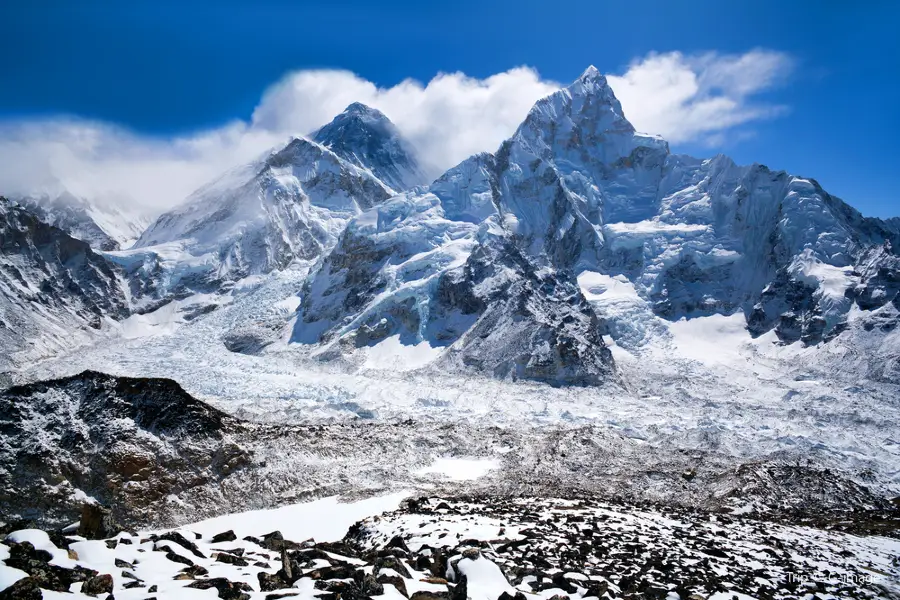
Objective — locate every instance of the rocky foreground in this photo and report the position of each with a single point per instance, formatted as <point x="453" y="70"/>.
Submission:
<point x="483" y="548"/>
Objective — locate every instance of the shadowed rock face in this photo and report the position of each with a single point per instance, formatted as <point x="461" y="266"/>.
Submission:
<point x="50" y="285"/>
<point x="128" y="442"/>
<point x="365" y="137"/>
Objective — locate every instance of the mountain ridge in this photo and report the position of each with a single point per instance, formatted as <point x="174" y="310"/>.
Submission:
<point x="577" y="189"/>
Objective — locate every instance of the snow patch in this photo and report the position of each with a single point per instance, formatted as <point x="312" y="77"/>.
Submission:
<point x="393" y="354"/>
<point x="324" y="520"/>
<point x="712" y="340"/>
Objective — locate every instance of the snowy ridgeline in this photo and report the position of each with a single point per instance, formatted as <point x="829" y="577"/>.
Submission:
<point x="437" y="549"/>
<point x="576" y="236"/>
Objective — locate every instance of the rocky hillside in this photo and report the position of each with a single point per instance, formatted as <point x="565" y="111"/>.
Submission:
<point x="482" y="548"/>
<point x="54" y="289"/>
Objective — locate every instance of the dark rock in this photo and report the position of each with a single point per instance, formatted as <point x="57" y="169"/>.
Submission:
<point x="394" y="580"/>
<point x="423" y="595"/>
<point x="460" y="591"/>
<point x="391" y="562"/>
<point x="96" y="522"/>
<point x="337" y="572"/>
<point x="230" y="559"/>
<point x="228" y="590"/>
<point x="269" y="582"/>
<point x="100" y="584"/>
<point x="179" y="559"/>
<point x="134" y="584"/>
<point x="471" y="553"/>
<point x="177" y="538"/>
<point x="51" y="577"/>
<point x="397" y="542"/>
<point x="24" y="589"/>
<point x="194" y="571"/>
<point x="225" y="536"/>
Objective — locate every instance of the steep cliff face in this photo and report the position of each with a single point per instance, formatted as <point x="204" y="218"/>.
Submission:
<point x="54" y="289"/>
<point x="366" y="138"/>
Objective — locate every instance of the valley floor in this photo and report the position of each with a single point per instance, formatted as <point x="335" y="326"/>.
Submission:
<point x="701" y="386"/>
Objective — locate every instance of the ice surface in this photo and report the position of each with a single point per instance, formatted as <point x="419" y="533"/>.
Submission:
<point x="391" y="353"/>
<point x="460" y="469"/>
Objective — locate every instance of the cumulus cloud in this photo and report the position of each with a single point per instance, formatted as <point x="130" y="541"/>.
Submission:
<point x="681" y="97"/>
<point x="447" y="120"/>
<point x="699" y="98"/>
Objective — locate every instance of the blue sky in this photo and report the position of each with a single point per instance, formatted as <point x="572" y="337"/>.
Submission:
<point x="164" y="69"/>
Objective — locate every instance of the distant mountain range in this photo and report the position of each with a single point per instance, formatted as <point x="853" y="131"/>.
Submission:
<point x="578" y="234"/>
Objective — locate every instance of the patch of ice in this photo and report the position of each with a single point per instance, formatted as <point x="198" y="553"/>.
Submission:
<point x="716" y="339"/>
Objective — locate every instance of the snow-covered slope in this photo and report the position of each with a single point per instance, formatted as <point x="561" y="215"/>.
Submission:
<point x="365" y="137"/>
<point x="577" y="197"/>
<point x="54" y="290"/>
<point x="105" y="225"/>
<point x="428" y="548"/>
<point x="289" y="206"/>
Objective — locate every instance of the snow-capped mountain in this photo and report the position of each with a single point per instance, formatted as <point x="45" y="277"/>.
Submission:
<point x="105" y="225"/>
<point x="54" y="289"/>
<point x="612" y="234"/>
<point x="365" y="137"/>
<point x="289" y="206"/>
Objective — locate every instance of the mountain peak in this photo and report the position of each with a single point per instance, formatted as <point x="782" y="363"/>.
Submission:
<point x="365" y="137"/>
<point x="363" y="110"/>
<point x="591" y="73"/>
<point x="592" y="84"/>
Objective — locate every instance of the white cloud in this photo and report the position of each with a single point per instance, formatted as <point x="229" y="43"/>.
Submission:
<point x="699" y="98"/>
<point x="448" y="120"/>
<point x="683" y="98"/>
